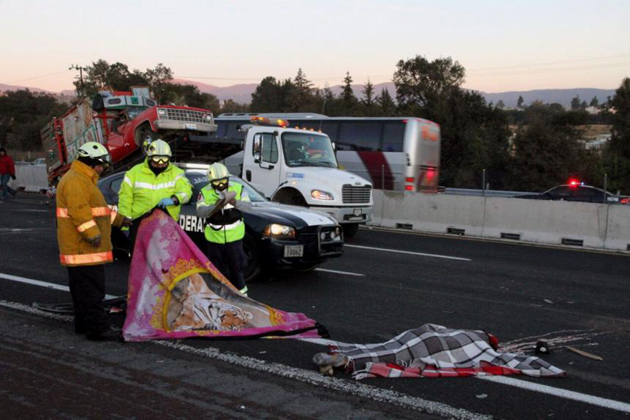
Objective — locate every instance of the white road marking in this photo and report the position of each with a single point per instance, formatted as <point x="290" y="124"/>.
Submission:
<point x="41" y="283"/>
<point x="311" y="377"/>
<point x="558" y="392"/>
<point x="324" y="342"/>
<point x="421" y="254"/>
<point x="347" y="273"/>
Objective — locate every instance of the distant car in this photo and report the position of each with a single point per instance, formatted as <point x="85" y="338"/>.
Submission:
<point x="314" y="237"/>
<point x="576" y="191"/>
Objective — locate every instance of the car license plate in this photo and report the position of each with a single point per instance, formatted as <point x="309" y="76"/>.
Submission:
<point x="293" y="251"/>
<point x="190" y="126"/>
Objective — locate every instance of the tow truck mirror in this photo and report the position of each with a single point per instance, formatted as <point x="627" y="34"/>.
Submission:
<point x="257" y="148"/>
<point x="334" y="146"/>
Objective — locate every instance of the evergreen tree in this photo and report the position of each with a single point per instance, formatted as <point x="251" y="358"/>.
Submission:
<point x="368" y="103"/>
<point x="520" y="102"/>
<point x="301" y="99"/>
<point x="348" y="100"/>
<point x="575" y="103"/>
<point x="594" y="102"/>
<point x="386" y="104"/>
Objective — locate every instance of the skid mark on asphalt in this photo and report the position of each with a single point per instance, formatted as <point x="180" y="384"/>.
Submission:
<point x="307" y="376"/>
<point x="554" y="339"/>
<point x="420" y="254"/>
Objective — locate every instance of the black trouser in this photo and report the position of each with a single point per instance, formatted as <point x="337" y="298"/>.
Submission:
<point x="229" y="259"/>
<point x="87" y="287"/>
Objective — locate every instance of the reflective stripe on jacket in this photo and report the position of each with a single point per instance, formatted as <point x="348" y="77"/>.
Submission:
<point x="82" y="215"/>
<point x="142" y="190"/>
<point x="227" y="232"/>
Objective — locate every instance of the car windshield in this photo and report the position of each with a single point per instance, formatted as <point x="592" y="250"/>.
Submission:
<point x="200" y="180"/>
<point x="308" y="149"/>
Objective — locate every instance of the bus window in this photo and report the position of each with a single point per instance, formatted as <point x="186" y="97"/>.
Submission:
<point x="393" y="137"/>
<point x="361" y="136"/>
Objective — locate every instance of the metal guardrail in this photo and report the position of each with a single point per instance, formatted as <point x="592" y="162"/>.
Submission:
<point x="482" y="193"/>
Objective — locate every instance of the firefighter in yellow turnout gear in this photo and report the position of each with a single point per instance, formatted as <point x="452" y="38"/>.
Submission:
<point x="153" y="183"/>
<point x="221" y="202"/>
<point x="84" y="234"/>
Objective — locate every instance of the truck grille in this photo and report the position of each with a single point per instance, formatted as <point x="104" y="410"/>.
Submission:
<point x="187" y="115"/>
<point x="356" y="195"/>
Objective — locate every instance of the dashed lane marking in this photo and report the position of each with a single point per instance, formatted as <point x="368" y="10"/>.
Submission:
<point x="307" y="376"/>
<point x="347" y="273"/>
<point x="40" y="283"/>
<point x="421" y="254"/>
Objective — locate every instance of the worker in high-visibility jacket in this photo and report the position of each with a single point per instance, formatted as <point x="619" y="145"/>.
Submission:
<point x="84" y="234"/>
<point x="153" y="183"/>
<point x="221" y="202"/>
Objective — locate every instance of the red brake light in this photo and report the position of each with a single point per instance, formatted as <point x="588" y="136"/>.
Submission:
<point x="410" y="179"/>
<point x="430" y="174"/>
<point x="408" y="187"/>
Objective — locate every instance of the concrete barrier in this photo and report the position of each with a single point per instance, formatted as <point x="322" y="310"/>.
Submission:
<point x="30" y="177"/>
<point x="548" y="222"/>
<point x="430" y="212"/>
<point x="618" y="228"/>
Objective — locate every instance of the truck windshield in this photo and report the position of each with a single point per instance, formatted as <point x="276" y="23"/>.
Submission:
<point x="135" y="111"/>
<point x="308" y="149"/>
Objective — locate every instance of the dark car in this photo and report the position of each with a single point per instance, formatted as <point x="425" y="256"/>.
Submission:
<point x="313" y="237"/>
<point x="575" y="191"/>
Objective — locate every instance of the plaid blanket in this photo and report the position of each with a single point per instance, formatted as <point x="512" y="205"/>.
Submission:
<point x="435" y="351"/>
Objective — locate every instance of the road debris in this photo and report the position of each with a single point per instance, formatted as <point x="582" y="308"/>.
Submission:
<point x="585" y="353"/>
<point x="482" y="396"/>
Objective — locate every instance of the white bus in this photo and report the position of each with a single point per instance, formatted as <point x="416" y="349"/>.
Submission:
<point x="392" y="153"/>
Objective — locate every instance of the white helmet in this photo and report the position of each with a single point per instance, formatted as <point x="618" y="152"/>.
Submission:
<point x="95" y="151"/>
<point x="159" y="148"/>
<point x="217" y="171"/>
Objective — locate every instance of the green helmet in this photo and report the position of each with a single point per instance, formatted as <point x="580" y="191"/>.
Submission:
<point x="217" y="171"/>
<point x="95" y="151"/>
<point x="159" y="148"/>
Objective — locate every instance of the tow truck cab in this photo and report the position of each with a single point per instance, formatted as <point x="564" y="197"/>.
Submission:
<point x="299" y="167"/>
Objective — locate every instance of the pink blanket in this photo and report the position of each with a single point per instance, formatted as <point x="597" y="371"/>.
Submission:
<point x="175" y="292"/>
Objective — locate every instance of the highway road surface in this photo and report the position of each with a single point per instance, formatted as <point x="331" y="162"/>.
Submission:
<point x="385" y="283"/>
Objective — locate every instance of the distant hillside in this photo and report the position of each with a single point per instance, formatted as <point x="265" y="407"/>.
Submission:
<point x="242" y="93"/>
<point x="561" y="96"/>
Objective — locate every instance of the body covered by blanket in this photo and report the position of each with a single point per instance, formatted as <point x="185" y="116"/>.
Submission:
<point x="434" y="351"/>
<point x="175" y="292"/>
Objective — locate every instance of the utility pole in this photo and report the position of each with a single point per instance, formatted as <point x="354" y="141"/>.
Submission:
<point x="81" y="90"/>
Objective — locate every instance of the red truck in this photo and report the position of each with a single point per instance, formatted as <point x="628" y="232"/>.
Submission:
<point x="122" y="121"/>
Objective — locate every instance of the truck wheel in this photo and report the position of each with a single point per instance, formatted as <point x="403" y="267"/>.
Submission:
<point x="142" y="133"/>
<point x="252" y="261"/>
<point x="350" y="230"/>
<point x="293" y="198"/>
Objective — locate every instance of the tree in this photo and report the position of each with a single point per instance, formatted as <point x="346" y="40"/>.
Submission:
<point x="500" y="104"/>
<point x="386" y="104"/>
<point x="272" y="96"/>
<point x="349" y="102"/>
<point x="230" y="106"/>
<point x="301" y="97"/>
<point x="546" y="149"/>
<point x="369" y="106"/>
<point x="519" y="102"/>
<point x="23" y="114"/>
<point x="575" y="103"/>
<point x="420" y="83"/>
<point x="594" y="102"/>
<point x="617" y="152"/>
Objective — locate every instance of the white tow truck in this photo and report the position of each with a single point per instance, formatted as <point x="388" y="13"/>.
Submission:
<point x="299" y="167"/>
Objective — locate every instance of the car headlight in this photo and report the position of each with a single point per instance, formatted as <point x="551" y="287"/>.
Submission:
<point x="277" y="231"/>
<point x="321" y="195"/>
<point x="208" y="117"/>
<point x="161" y="112"/>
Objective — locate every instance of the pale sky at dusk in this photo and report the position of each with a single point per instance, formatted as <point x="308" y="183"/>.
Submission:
<point x="504" y="45"/>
